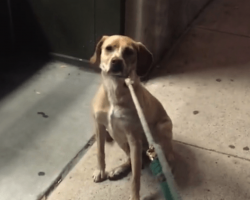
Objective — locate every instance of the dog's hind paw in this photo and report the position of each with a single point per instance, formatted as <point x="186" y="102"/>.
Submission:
<point x="119" y="172"/>
<point x="115" y="173"/>
<point x="99" y="176"/>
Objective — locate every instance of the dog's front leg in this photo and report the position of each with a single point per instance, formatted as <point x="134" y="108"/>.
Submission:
<point x="100" y="174"/>
<point x="136" y="164"/>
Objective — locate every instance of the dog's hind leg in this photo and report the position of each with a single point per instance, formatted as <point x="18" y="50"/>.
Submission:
<point x="163" y="137"/>
<point x="108" y="137"/>
<point x="122" y="170"/>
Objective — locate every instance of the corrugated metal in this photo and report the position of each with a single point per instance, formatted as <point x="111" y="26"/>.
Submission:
<point x="158" y="23"/>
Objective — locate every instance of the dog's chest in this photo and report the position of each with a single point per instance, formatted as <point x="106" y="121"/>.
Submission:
<point x="121" y="105"/>
<point x="122" y="115"/>
<point x="121" y="120"/>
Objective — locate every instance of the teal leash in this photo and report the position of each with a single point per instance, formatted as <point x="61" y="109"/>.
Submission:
<point x="159" y="165"/>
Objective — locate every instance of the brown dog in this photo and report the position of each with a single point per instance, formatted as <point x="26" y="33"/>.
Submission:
<point x="120" y="57"/>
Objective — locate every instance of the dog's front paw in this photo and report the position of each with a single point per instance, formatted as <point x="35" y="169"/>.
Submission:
<point x="99" y="175"/>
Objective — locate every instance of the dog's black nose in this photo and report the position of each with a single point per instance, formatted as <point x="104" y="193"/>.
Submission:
<point x="116" y="65"/>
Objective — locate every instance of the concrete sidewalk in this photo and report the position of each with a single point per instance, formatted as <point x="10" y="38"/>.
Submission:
<point x="44" y="123"/>
<point x="205" y="88"/>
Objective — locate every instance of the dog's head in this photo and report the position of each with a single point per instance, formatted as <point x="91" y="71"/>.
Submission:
<point x="120" y="55"/>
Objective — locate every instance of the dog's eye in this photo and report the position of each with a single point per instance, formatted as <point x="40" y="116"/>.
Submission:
<point x="109" y="48"/>
<point x="128" y="52"/>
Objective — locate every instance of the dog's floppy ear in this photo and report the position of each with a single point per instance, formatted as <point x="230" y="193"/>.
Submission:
<point x="144" y="59"/>
<point x="95" y="59"/>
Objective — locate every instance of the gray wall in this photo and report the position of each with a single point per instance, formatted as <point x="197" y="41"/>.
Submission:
<point x="65" y="27"/>
<point x="158" y="23"/>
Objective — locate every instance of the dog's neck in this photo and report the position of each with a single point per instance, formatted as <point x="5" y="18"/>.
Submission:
<point x="117" y="90"/>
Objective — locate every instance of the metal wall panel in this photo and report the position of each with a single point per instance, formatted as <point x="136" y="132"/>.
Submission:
<point x="67" y="27"/>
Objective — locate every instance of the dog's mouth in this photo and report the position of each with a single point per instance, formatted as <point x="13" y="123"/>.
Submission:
<point x="117" y="73"/>
<point x="119" y="70"/>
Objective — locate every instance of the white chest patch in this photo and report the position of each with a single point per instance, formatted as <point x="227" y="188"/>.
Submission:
<point x="121" y="117"/>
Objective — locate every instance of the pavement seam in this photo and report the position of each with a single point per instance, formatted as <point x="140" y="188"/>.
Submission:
<point x="70" y="165"/>
<point x="211" y="150"/>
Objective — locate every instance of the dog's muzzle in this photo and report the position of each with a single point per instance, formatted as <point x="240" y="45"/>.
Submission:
<point x="116" y="66"/>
